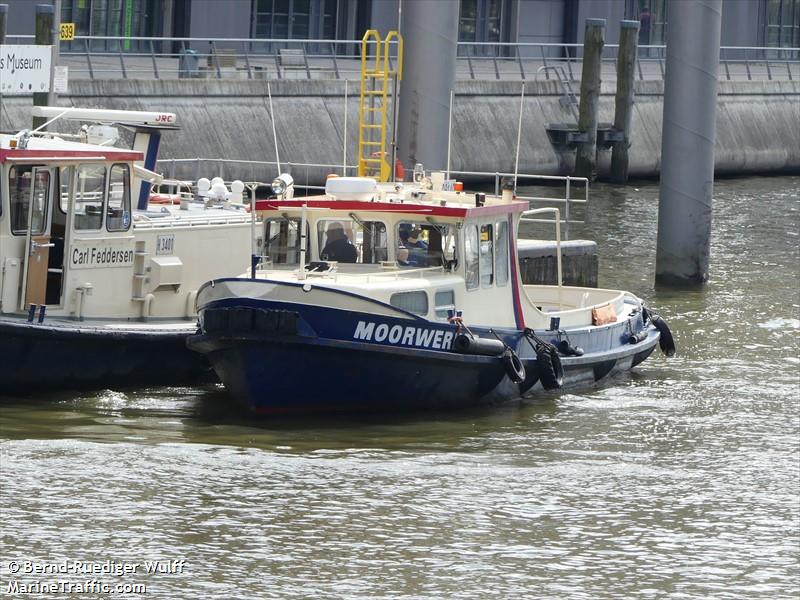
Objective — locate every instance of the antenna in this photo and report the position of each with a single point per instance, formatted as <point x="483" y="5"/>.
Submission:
<point x="274" y="136"/>
<point x="519" y="135"/>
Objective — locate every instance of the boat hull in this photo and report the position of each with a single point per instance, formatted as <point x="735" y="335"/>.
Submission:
<point x="286" y="358"/>
<point x="78" y="355"/>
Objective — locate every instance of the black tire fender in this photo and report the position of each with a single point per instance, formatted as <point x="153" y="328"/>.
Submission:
<point x="665" y="341"/>
<point x="551" y="371"/>
<point x="513" y="366"/>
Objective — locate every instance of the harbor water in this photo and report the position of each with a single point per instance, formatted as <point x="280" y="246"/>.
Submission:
<point x="680" y="480"/>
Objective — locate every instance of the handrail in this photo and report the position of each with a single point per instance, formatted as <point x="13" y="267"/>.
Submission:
<point x="325" y="58"/>
<point x="557" y="220"/>
<point x="568" y="181"/>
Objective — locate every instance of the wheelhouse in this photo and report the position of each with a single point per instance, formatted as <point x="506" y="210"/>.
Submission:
<point x="65" y="207"/>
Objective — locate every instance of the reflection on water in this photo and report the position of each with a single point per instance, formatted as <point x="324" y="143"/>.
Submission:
<point x="680" y="480"/>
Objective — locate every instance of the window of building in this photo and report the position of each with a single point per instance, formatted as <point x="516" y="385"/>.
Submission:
<point x="781" y="23"/>
<point x="652" y="17"/>
<point x="295" y="19"/>
<point x="484" y="21"/>
<point x="119" y="198"/>
<point x="414" y="302"/>
<point x="352" y="240"/>
<point x="90" y="197"/>
<point x="111" y="18"/>
<point x="501" y="253"/>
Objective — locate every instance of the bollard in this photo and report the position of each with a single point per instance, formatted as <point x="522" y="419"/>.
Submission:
<point x="31" y="313"/>
<point x="623" y="104"/>
<point x="42" y="309"/>
<point x="586" y="159"/>
<point x="44" y="37"/>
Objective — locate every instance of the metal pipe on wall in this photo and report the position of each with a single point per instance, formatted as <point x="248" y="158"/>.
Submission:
<point x="687" y="146"/>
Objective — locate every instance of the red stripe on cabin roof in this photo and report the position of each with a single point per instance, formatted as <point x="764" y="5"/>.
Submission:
<point x="6" y="153"/>
<point x="410" y="208"/>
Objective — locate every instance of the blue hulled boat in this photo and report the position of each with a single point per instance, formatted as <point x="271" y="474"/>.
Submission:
<point x="378" y="297"/>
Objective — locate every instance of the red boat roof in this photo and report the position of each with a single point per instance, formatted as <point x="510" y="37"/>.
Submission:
<point x="412" y="208"/>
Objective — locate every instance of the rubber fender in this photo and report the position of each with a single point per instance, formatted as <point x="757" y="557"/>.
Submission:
<point x="635" y="338"/>
<point x="513" y="365"/>
<point x="551" y="371"/>
<point x="567" y="350"/>
<point x="467" y="344"/>
<point x="666" y="341"/>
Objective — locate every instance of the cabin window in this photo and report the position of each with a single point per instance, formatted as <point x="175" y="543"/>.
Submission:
<point x="118" y="217"/>
<point x="444" y="301"/>
<point x="413" y="302"/>
<point x="487" y="255"/>
<point x="19" y="188"/>
<point x="351" y="240"/>
<point x="282" y="241"/>
<point x="425" y="244"/>
<point x="19" y="192"/>
<point x="90" y="197"/>
<point x="471" y="257"/>
<point x="64" y="179"/>
<point x="501" y="253"/>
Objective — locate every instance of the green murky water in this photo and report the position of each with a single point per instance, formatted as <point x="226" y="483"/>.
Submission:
<point x="681" y="480"/>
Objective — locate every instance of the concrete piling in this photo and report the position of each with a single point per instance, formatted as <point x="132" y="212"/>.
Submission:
<point x="430" y="33"/>
<point x="623" y="102"/>
<point x="687" y="147"/>
<point x="45" y="14"/>
<point x="594" y="40"/>
<point x="3" y="15"/>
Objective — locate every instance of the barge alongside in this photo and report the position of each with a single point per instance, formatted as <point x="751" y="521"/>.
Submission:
<point x="97" y="289"/>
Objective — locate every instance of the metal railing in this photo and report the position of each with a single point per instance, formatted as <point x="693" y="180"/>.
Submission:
<point x="96" y="57"/>
<point x="306" y="174"/>
<point x="524" y="180"/>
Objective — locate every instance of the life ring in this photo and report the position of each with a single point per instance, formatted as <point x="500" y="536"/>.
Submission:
<point x="513" y="365"/>
<point x="548" y="363"/>
<point x="665" y="341"/>
<point x="165" y="199"/>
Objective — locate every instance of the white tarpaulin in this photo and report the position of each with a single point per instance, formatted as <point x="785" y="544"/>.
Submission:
<point x="24" y="69"/>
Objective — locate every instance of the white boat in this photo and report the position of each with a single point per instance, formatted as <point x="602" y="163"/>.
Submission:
<point x="398" y="322"/>
<point x="98" y="279"/>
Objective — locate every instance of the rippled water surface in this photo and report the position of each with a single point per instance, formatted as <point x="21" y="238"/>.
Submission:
<point x="680" y="480"/>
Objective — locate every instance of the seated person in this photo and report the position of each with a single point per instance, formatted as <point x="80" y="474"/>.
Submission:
<point x="416" y="249"/>
<point x="338" y="247"/>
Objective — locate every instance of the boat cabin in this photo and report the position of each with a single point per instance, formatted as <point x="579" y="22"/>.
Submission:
<point x="433" y="252"/>
<point x="73" y="241"/>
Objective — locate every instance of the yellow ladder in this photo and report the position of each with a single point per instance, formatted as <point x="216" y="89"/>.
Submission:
<point x="376" y="75"/>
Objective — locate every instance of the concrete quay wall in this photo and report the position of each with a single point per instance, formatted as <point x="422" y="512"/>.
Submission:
<point x="757" y="123"/>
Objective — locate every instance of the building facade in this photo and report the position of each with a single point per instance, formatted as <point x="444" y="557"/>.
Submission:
<point x="771" y="23"/>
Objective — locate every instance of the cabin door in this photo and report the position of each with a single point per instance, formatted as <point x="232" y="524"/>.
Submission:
<point x="38" y="244"/>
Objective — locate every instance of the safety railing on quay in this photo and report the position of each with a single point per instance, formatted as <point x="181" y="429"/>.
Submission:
<point x="96" y="57"/>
